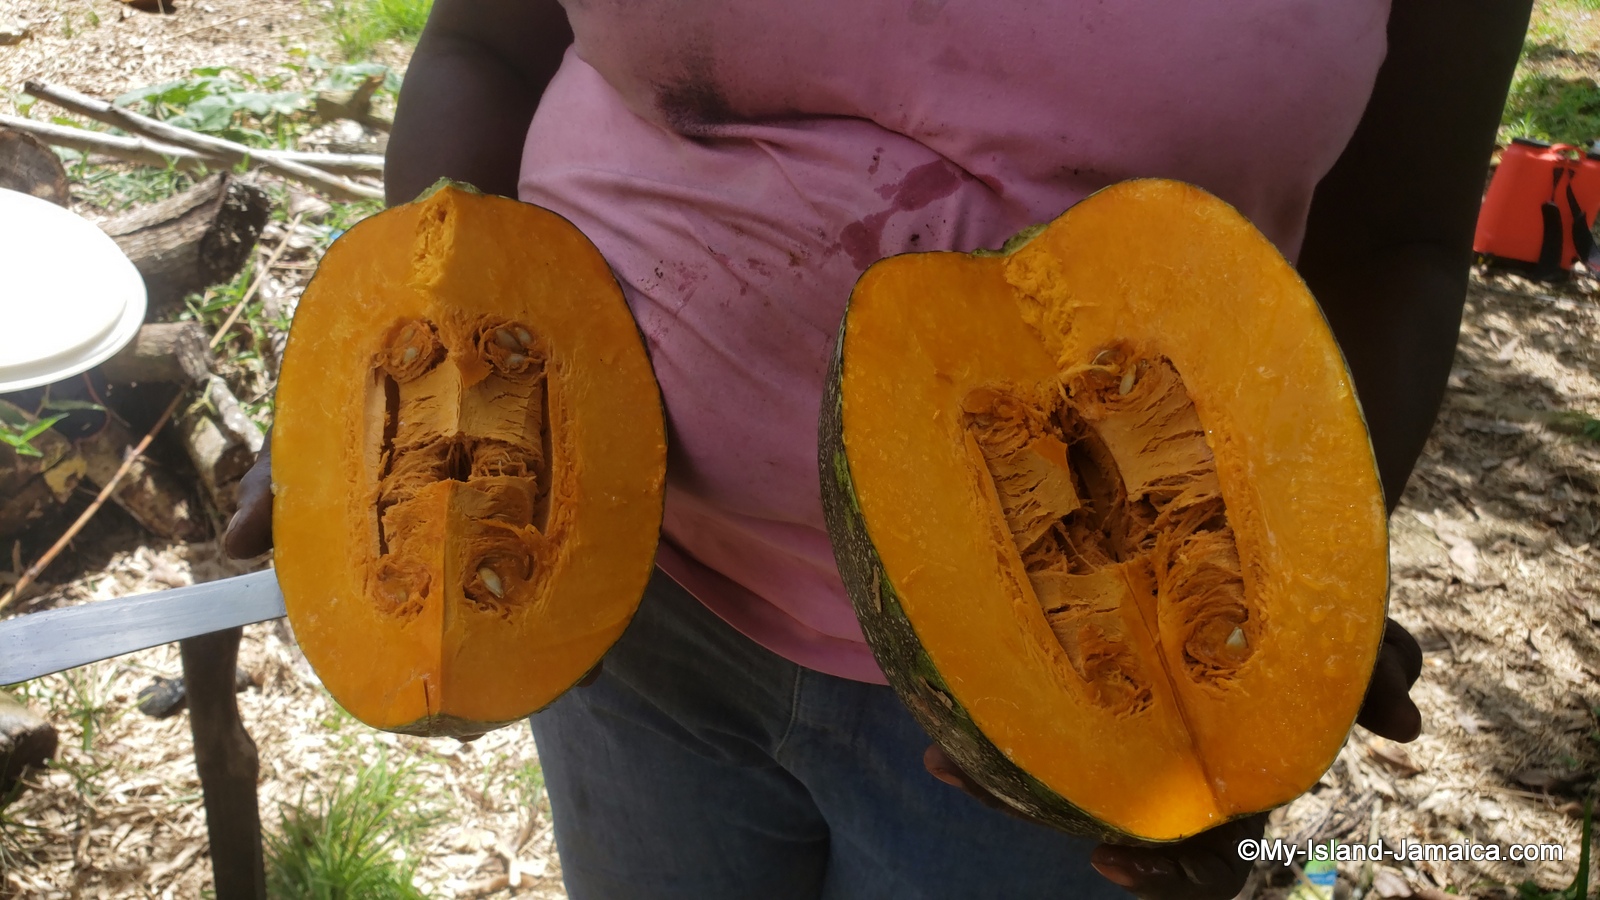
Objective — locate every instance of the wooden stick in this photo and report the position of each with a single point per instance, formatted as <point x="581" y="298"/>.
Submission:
<point x="144" y="151"/>
<point x="231" y="152"/>
<point x="228" y="763"/>
<point x="132" y="149"/>
<point x="336" y="163"/>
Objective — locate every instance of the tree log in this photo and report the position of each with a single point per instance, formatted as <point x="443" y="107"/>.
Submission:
<point x="222" y="441"/>
<point x="31" y="486"/>
<point x="26" y="741"/>
<point x="220" y="437"/>
<point x="228" y="764"/>
<point x="28" y="166"/>
<point x="154" y="496"/>
<point x="193" y="240"/>
<point x="174" y="352"/>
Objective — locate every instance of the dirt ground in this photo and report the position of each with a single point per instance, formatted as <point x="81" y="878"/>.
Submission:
<point x="1494" y="569"/>
<point x="104" y="48"/>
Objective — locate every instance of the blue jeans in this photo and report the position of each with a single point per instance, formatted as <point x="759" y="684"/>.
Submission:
<point x="700" y="765"/>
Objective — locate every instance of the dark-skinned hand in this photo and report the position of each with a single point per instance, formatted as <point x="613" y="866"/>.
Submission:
<point x="1207" y="866"/>
<point x="249" y="532"/>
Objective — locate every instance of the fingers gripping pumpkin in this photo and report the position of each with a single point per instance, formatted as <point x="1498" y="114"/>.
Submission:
<point x="468" y="459"/>
<point x="1106" y="507"/>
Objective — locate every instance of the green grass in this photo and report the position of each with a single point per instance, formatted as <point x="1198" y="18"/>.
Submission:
<point x="116" y="188"/>
<point x="359" y="26"/>
<point x="1545" y="34"/>
<point x="1553" y="108"/>
<point x="350" y="844"/>
<point x="14" y="852"/>
<point x="1554" y="95"/>
<point x="528" y="782"/>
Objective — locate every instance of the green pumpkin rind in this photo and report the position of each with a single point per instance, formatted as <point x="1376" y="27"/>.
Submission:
<point x="899" y="653"/>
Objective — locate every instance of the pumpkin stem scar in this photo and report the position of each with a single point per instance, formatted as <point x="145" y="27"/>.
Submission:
<point x="1110" y="492"/>
<point x="465" y="421"/>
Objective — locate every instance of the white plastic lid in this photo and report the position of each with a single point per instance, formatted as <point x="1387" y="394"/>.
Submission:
<point x="69" y="296"/>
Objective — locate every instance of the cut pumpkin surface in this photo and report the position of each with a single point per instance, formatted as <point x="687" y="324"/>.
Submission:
<point x="468" y="460"/>
<point x="1107" y="509"/>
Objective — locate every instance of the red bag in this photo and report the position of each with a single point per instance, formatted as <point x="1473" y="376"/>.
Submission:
<point x="1540" y="206"/>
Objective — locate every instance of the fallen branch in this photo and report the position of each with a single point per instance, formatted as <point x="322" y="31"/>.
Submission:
<point x="354" y="104"/>
<point x="129" y="149"/>
<point x="336" y="163"/>
<point x="224" y="446"/>
<point x="229" y="151"/>
<point x="146" y="152"/>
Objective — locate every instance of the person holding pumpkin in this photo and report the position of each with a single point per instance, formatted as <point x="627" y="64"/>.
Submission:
<point x="739" y="165"/>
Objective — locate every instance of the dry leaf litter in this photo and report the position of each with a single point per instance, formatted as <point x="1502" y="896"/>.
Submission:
<point x="1494" y="569"/>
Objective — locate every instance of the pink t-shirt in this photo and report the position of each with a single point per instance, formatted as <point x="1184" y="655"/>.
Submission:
<point x="740" y="163"/>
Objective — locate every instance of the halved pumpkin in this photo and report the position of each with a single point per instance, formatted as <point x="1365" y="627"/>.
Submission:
<point x="1106" y="507"/>
<point x="468" y="459"/>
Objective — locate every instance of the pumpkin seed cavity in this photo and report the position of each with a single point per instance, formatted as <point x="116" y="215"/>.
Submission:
<point x="467" y="406"/>
<point x="1109" y="489"/>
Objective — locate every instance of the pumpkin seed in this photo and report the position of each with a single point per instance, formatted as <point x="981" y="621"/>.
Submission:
<point x="1127" y="383"/>
<point x="515" y="359"/>
<point x="491" y="580"/>
<point x="524" y="337"/>
<point x="505" y="340"/>
<point x="1236" y="639"/>
<point x="410" y="356"/>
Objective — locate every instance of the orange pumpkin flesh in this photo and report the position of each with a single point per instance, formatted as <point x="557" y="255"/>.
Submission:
<point x="468" y="459"/>
<point x="1108" y="511"/>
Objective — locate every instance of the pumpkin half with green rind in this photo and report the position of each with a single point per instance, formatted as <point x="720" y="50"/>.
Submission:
<point x="1106" y="507"/>
<point x="468" y="461"/>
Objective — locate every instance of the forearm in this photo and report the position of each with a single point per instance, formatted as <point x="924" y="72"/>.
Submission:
<point x="1388" y="243"/>
<point x="1396" y="314"/>
<point x="470" y="92"/>
<point x="457" y="118"/>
